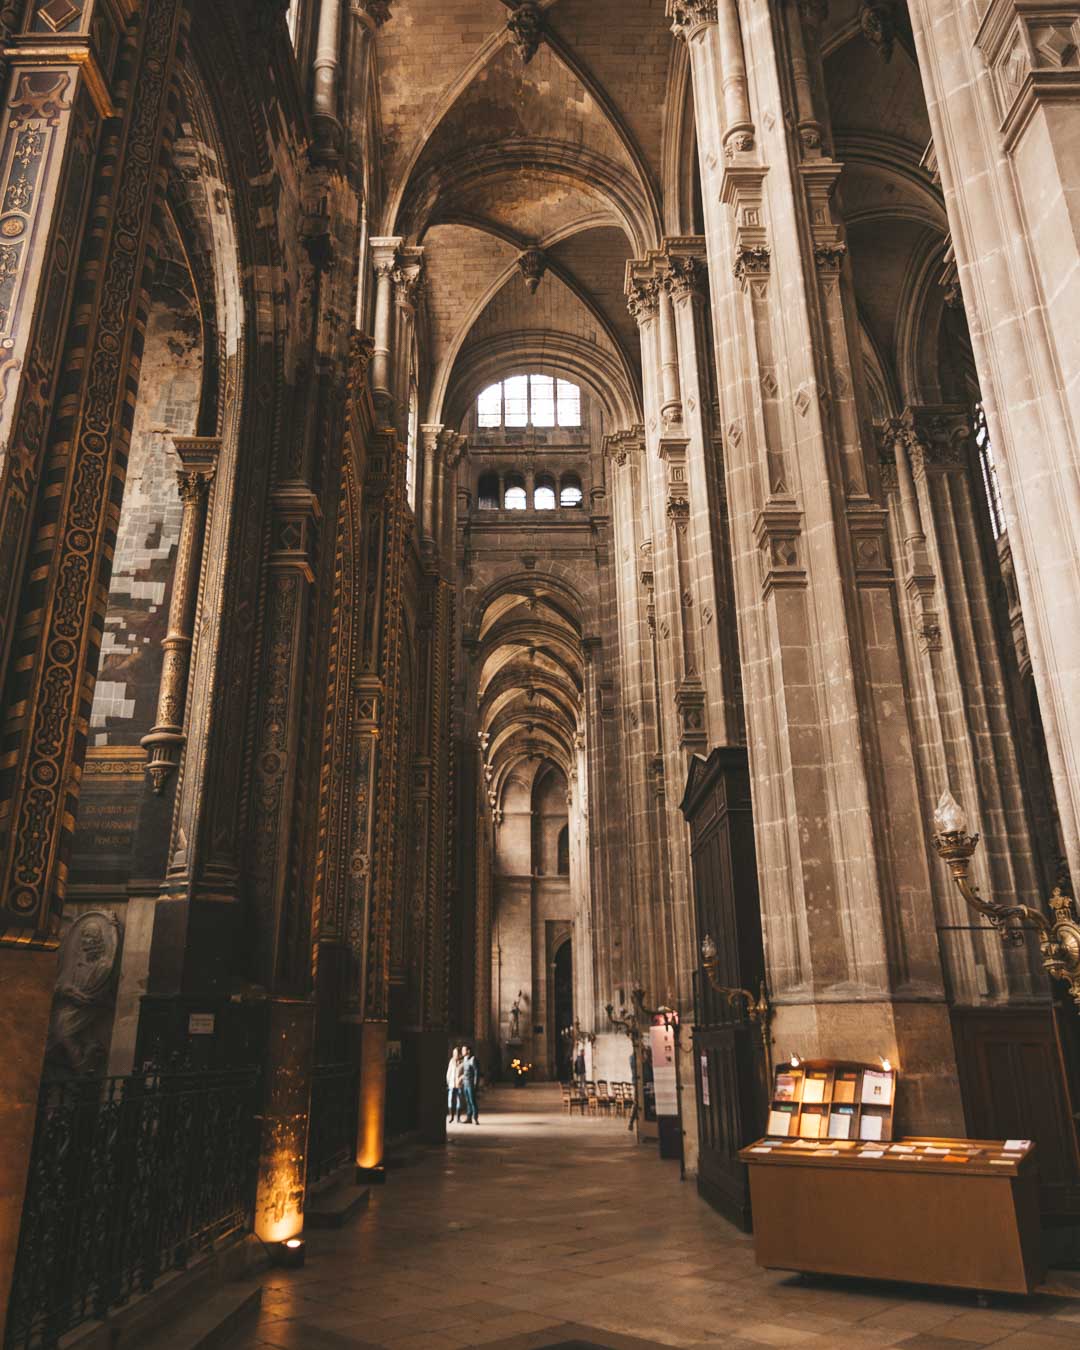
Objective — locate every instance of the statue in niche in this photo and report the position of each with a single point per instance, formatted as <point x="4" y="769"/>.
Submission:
<point x="85" y="995"/>
<point x="515" y="1017"/>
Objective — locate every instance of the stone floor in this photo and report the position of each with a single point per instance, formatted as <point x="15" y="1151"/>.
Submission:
<point x="535" y="1230"/>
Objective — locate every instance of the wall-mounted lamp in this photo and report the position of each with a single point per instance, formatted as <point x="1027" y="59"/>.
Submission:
<point x="1059" y="937"/>
<point x="757" y="1009"/>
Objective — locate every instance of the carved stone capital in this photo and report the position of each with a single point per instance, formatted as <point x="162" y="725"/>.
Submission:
<point x="643" y="299"/>
<point x="830" y="257"/>
<point x="687" y="278"/>
<point x="752" y="262"/>
<point x="408" y="276"/>
<point x="687" y="16"/>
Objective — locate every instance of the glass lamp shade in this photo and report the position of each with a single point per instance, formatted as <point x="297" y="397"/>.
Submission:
<point x="949" y="817"/>
<point x="708" y="948"/>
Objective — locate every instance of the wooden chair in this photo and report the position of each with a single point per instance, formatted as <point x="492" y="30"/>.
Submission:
<point x="573" y="1097"/>
<point x="591" y="1097"/>
<point x="618" y="1098"/>
<point x="604" y="1100"/>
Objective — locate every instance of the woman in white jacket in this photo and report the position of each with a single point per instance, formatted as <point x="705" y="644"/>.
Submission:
<point x="455" y="1071"/>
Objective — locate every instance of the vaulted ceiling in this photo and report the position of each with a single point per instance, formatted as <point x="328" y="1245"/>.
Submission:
<point x="581" y="145"/>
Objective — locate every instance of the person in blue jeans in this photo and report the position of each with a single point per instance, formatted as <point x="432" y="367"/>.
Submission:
<point x="469" y="1078"/>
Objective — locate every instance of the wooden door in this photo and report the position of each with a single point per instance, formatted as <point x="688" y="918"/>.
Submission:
<point x="1015" y="1086"/>
<point x="729" y="1075"/>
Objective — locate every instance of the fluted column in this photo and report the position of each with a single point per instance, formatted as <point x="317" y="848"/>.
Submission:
<point x="1002" y="86"/>
<point x="848" y="913"/>
<point x="164" y="743"/>
<point x="959" y="682"/>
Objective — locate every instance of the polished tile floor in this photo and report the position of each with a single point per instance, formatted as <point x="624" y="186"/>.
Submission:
<point x="532" y="1229"/>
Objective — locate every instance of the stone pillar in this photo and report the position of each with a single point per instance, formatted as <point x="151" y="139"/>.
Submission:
<point x="166" y="738"/>
<point x="848" y="914"/>
<point x="647" y="900"/>
<point x="383" y="261"/>
<point x="958" y="681"/>
<point x="1002" y="85"/>
<point x="429" y="439"/>
<point x="377" y="776"/>
<point x="65" y="181"/>
<point x="325" y="67"/>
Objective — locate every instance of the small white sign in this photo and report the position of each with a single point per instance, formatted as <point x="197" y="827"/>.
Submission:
<point x="705" y="1080"/>
<point x="662" y="1042"/>
<point x="872" y="1153"/>
<point x="200" y="1024"/>
<point x="1016" y="1145"/>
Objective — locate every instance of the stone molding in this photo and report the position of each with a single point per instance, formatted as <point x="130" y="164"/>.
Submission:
<point x="1032" y="51"/>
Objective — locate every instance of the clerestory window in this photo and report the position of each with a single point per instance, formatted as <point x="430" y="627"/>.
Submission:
<point x="989" y="472"/>
<point x="529" y="401"/>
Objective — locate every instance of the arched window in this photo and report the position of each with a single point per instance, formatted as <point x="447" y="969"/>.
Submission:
<point x="570" y="490"/>
<point x="487" y="492"/>
<point x="515" y="497"/>
<point x="563" y="851"/>
<point x="544" y="494"/>
<point x="529" y="401"/>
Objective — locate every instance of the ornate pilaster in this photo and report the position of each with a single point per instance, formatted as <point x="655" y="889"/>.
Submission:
<point x="280" y="932"/>
<point x="165" y="741"/>
<point x="63" y="181"/>
<point x="80" y="446"/>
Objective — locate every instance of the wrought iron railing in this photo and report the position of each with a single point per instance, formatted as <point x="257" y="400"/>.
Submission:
<point x="332" y="1125"/>
<point x="129" y="1178"/>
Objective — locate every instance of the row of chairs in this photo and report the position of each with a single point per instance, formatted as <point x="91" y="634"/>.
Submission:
<point x="599" y="1098"/>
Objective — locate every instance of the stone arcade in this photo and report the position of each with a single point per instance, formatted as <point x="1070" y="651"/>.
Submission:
<point x="494" y="493"/>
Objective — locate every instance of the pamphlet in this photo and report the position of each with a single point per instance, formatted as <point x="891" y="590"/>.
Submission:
<point x="877" y="1087"/>
<point x="780" y="1118"/>
<point x="840" y="1122"/>
<point x="785" y="1087"/>
<point x="844" y="1087"/>
<point x="814" y="1088"/>
<point x="810" y="1124"/>
<point x="870" y="1127"/>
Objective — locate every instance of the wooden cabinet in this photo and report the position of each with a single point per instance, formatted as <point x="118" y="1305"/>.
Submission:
<point x="915" y="1216"/>
<point x="729" y="1065"/>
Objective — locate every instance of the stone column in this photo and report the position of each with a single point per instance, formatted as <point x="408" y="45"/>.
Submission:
<point x="429" y="440"/>
<point x="54" y="558"/>
<point x="958" y="681"/>
<point x="647" y="876"/>
<point x="1002" y="85"/>
<point x="377" y="778"/>
<point x="165" y="740"/>
<point x="848" y="913"/>
<point x="383" y="261"/>
<point x="325" y="67"/>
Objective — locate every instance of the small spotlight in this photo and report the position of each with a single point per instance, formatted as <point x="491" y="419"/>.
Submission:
<point x="290" y="1253"/>
<point x="795" y="1061"/>
<point x="886" y="1065"/>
